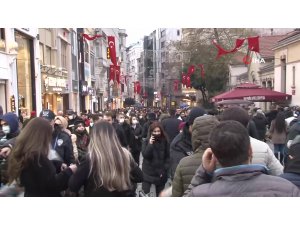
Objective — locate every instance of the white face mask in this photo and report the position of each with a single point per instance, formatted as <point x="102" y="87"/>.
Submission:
<point x="6" y="129"/>
<point x="134" y="121"/>
<point x="91" y="124"/>
<point x="121" y="120"/>
<point x="141" y="117"/>
<point x="71" y="117"/>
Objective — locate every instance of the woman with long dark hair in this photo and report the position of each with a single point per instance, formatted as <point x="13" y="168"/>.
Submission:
<point x="109" y="169"/>
<point x="278" y="131"/>
<point x="29" y="166"/>
<point x="156" y="159"/>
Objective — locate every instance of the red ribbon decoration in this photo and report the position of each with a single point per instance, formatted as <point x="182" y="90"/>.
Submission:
<point x="238" y="44"/>
<point x="111" y="72"/>
<point x="191" y="70"/>
<point x="184" y="78"/>
<point x="91" y="38"/>
<point x="117" y="68"/>
<point x="138" y="88"/>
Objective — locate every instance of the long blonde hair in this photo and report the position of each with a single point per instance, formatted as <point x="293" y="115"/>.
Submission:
<point x="33" y="141"/>
<point x="110" y="162"/>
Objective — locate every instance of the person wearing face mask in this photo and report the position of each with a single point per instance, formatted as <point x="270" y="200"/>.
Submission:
<point x="71" y="119"/>
<point x="10" y="129"/>
<point x="156" y="159"/>
<point x="137" y="141"/>
<point x="127" y="130"/>
<point x="83" y="139"/>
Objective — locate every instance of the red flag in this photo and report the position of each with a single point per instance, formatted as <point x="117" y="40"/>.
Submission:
<point x="184" y="79"/>
<point x="138" y="88"/>
<point x="117" y="68"/>
<point x="188" y="82"/>
<point x="134" y="87"/>
<point x="91" y="38"/>
<point x="202" y="70"/>
<point x="238" y="44"/>
<point x="112" y="49"/>
<point x="191" y="70"/>
<point x="111" y="72"/>
<point x="253" y="44"/>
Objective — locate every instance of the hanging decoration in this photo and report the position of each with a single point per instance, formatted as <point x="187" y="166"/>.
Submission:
<point x="91" y="38"/>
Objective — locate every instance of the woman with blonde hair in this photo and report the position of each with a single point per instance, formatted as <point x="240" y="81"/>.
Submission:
<point x="29" y="166"/>
<point x="108" y="169"/>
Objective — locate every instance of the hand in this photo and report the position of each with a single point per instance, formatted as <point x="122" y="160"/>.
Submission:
<point x="5" y="152"/>
<point x="73" y="167"/>
<point x="209" y="161"/>
<point x="151" y="140"/>
<point x="136" y="137"/>
<point x="63" y="166"/>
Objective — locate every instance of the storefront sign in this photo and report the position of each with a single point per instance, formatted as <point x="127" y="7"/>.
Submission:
<point x="254" y="98"/>
<point x="12" y="104"/>
<point x="91" y="91"/>
<point x="75" y="85"/>
<point x="87" y="70"/>
<point x="55" y="84"/>
<point x="84" y="88"/>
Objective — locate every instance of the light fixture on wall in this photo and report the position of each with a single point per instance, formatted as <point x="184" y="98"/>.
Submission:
<point x="13" y="47"/>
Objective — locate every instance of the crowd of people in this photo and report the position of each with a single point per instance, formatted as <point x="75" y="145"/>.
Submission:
<point x="129" y="152"/>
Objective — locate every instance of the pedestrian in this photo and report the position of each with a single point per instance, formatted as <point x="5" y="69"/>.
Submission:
<point x="230" y="147"/>
<point x="187" y="166"/>
<point x="278" y="133"/>
<point x="136" y="129"/>
<point x="29" y="165"/>
<point x="108" y="169"/>
<point x="171" y="125"/>
<point x="156" y="159"/>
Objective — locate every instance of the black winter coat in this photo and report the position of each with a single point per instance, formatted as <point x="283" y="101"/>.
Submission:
<point x="171" y="127"/>
<point x="260" y="122"/>
<point x="39" y="179"/>
<point x="156" y="162"/>
<point x="121" y="135"/>
<point x="137" y="143"/>
<point x="181" y="147"/>
<point x="82" y="178"/>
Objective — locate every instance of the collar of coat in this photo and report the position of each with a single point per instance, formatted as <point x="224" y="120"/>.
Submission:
<point x="241" y="169"/>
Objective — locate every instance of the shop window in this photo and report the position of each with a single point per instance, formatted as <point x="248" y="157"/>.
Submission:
<point x="42" y="54"/>
<point x="92" y="65"/>
<point x="48" y="56"/>
<point x="63" y="54"/>
<point x="2" y="39"/>
<point x="86" y="52"/>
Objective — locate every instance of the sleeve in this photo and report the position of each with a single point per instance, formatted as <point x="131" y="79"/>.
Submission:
<point x="177" y="183"/>
<point x="273" y="163"/>
<point x="272" y="127"/>
<point x="136" y="173"/>
<point x="78" y="179"/>
<point x="49" y="178"/>
<point x="148" y="151"/>
<point x="201" y="177"/>
<point x="69" y="154"/>
<point x="175" y="158"/>
<point x="122" y="137"/>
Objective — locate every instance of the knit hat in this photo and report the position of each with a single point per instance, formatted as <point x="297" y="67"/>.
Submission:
<point x="63" y="121"/>
<point x="151" y="116"/>
<point x="12" y="120"/>
<point x="78" y="121"/>
<point x="33" y="114"/>
<point x="47" y="114"/>
<point x="194" y="113"/>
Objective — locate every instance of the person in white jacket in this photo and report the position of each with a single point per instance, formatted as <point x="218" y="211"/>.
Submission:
<point x="262" y="154"/>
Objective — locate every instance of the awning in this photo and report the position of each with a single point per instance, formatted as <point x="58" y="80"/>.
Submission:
<point x="252" y="92"/>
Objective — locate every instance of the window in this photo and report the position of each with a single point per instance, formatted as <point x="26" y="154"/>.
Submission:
<point x="63" y="54"/>
<point x="178" y="32"/>
<point x="162" y="44"/>
<point x="294" y="75"/>
<point x="86" y="52"/>
<point x="2" y="39"/>
<point x="92" y="65"/>
<point x="48" y="56"/>
<point x="42" y="54"/>
<point x="163" y="33"/>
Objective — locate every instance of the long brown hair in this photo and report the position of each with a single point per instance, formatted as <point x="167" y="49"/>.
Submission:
<point x="33" y="141"/>
<point x="162" y="131"/>
<point x="110" y="163"/>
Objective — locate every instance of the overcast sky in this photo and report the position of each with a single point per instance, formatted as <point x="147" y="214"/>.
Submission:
<point x="136" y="34"/>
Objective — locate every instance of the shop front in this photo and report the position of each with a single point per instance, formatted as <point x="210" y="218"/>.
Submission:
<point x="55" y="96"/>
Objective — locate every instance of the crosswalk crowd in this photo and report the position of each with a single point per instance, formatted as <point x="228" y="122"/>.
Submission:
<point x="130" y="152"/>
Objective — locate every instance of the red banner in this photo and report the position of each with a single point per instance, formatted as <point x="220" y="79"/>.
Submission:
<point x="253" y="44"/>
<point x="188" y="82"/>
<point x="91" y="38"/>
<point x="184" y="78"/>
<point x="117" y="68"/>
<point x="112" y="49"/>
<point x="138" y="88"/>
<point x="111" y="73"/>
<point x="191" y="70"/>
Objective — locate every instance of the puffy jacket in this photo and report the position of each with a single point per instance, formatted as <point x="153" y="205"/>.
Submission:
<point x="262" y="154"/>
<point x="188" y="165"/>
<point x="181" y="147"/>
<point x="242" y="181"/>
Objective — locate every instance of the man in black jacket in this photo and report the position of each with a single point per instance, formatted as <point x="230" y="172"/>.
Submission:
<point x="171" y="125"/>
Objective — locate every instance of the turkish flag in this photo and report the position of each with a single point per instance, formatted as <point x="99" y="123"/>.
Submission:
<point x="111" y="72"/>
<point x="184" y="78"/>
<point x="191" y="70"/>
<point x="188" y="82"/>
<point x="253" y="44"/>
<point x="138" y="88"/>
<point x="117" y="68"/>
<point x="112" y="49"/>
